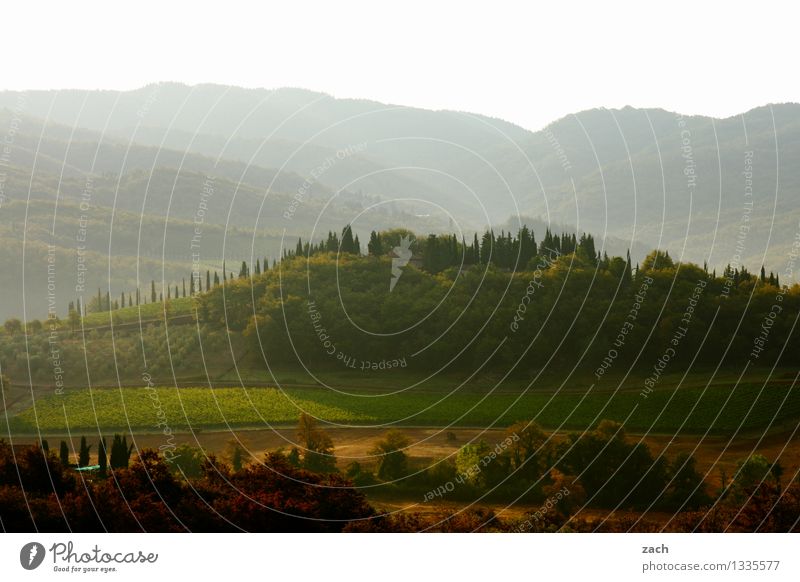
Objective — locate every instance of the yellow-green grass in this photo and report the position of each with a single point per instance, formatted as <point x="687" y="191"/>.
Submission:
<point x="718" y="410"/>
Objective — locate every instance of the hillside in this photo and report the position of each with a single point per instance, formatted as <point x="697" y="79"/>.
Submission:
<point x="296" y="163"/>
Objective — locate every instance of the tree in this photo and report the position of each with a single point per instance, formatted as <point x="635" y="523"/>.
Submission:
<point x="529" y="451"/>
<point x="236" y="460"/>
<point x="687" y="490"/>
<point x="391" y="457"/>
<point x="63" y="454"/>
<point x="102" y="456"/>
<point x="318" y="446"/>
<point x="750" y="473"/>
<point x="120" y="452"/>
<point x="83" y="453"/>
<point x="153" y="296"/>
<point x="13" y="326"/>
<point x="348" y="244"/>
<point x="5" y="388"/>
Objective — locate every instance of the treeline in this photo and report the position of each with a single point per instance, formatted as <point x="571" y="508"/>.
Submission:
<point x="303" y="489"/>
<point x="118" y="457"/>
<point x="40" y="493"/>
<point x="433" y="254"/>
<point x="568" y="307"/>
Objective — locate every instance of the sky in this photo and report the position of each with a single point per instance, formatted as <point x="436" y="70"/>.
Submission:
<point x="526" y="62"/>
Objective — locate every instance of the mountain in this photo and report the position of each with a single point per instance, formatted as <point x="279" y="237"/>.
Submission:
<point x="290" y="163"/>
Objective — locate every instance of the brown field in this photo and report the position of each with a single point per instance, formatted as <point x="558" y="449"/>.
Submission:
<point x="714" y="455"/>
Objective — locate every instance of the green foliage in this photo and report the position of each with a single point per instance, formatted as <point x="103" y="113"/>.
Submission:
<point x="102" y="456"/>
<point x="120" y="452"/>
<point x="392" y="461"/>
<point x="187" y="460"/>
<point x="715" y="409"/>
<point x="63" y="454"/>
<point x="83" y="453"/>
<point x="317" y="446"/>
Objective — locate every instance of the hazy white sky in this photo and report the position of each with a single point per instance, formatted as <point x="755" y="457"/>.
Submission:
<point x="521" y="61"/>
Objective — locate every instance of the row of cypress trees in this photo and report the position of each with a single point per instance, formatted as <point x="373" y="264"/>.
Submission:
<point x="117" y="458"/>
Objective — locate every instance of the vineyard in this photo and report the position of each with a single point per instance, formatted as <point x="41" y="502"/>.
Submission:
<point x="718" y="409"/>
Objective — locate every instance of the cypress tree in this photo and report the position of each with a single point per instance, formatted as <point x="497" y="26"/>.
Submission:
<point x="83" y="453"/>
<point x="63" y="454"/>
<point x="375" y="246"/>
<point x="102" y="456"/>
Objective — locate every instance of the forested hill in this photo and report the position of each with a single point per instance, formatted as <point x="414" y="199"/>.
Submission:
<point x="494" y="304"/>
<point x="502" y="302"/>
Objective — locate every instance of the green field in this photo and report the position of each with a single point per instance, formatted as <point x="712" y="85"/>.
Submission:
<point x="148" y="311"/>
<point x="686" y="410"/>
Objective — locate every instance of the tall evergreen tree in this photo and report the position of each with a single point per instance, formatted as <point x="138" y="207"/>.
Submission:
<point x="375" y="246"/>
<point x="63" y="454"/>
<point x="83" y="453"/>
<point x="348" y="244"/>
<point x="120" y="452"/>
<point x="102" y="456"/>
